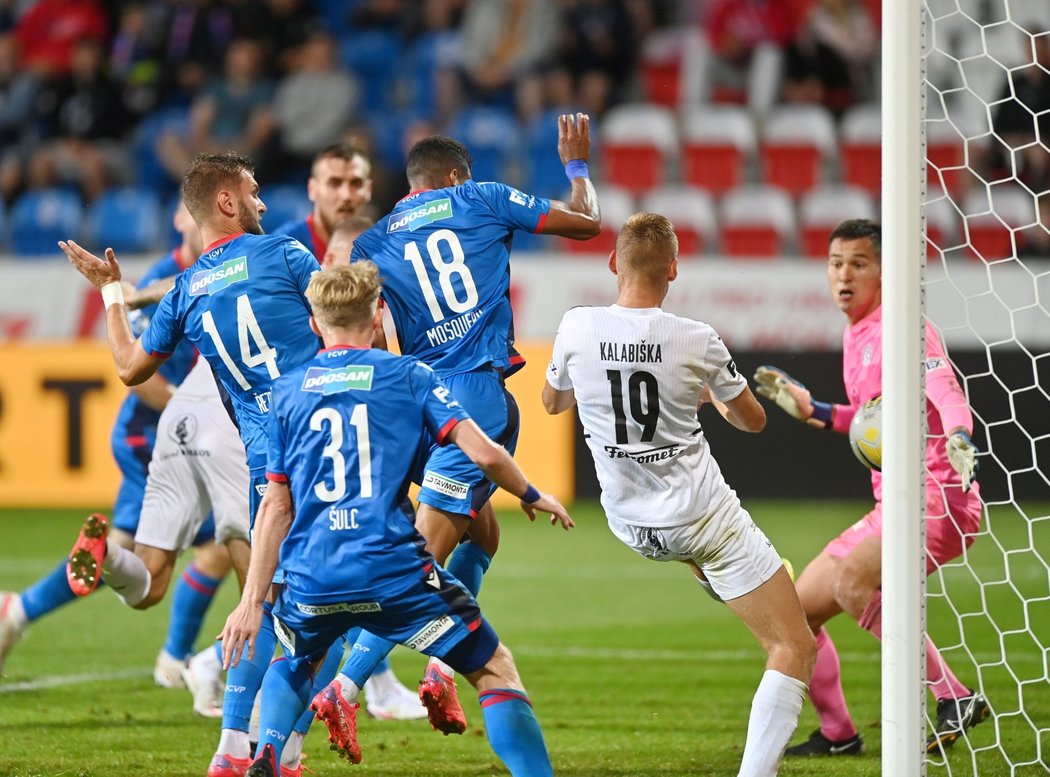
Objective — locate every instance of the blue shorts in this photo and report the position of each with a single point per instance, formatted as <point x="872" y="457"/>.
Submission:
<point x="133" y="456"/>
<point x="449" y="480"/>
<point x="436" y="616"/>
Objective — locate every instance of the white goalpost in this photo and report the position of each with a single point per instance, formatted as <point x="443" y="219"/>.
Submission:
<point x="966" y="246"/>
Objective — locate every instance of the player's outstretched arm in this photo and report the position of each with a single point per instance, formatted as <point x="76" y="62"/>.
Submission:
<point x="557" y="400"/>
<point x="271" y="527"/>
<point x="792" y="397"/>
<point x="743" y="411"/>
<point x="500" y="468"/>
<point x="580" y="218"/>
<point x="133" y="364"/>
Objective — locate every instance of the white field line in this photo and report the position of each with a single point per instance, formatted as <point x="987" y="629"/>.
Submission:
<point x="538" y="651"/>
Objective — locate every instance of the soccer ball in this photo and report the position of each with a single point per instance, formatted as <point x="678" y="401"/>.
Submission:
<point x="865" y="434"/>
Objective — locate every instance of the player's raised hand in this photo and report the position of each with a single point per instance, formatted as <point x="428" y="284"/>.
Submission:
<point x="548" y="504"/>
<point x="790" y="395"/>
<point x="98" y="271"/>
<point x="242" y="627"/>
<point x="962" y="455"/>
<point x="574" y="137"/>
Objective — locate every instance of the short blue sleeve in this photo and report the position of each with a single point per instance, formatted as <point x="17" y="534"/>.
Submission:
<point x="516" y="209"/>
<point x="301" y="262"/>
<point x="441" y="410"/>
<point x="166" y="328"/>
<point x="276" y="468"/>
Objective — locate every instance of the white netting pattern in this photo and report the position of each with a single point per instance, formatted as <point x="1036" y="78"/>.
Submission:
<point x="987" y="215"/>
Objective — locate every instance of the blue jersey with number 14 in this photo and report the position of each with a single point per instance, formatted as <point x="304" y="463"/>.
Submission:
<point x="444" y="256"/>
<point x="243" y="305"/>
<point x="343" y="433"/>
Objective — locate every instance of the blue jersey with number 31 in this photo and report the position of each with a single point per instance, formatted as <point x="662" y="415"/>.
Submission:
<point x="343" y="433"/>
<point x="444" y="257"/>
<point x="243" y="305"/>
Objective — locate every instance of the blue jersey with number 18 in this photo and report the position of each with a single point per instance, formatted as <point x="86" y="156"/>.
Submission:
<point x="243" y="305"/>
<point x="343" y="434"/>
<point x="444" y="257"/>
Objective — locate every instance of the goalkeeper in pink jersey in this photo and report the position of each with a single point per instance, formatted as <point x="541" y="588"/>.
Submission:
<point x="847" y="575"/>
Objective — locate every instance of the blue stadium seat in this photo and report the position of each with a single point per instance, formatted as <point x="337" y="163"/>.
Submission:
<point x="3" y="224"/>
<point x="492" y="137"/>
<point x="544" y="174"/>
<point x="126" y="219"/>
<point x="148" y="169"/>
<point x="284" y="203"/>
<point x="374" y="57"/>
<point x="41" y="218"/>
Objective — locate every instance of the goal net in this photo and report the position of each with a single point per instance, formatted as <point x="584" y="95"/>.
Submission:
<point x="986" y="126"/>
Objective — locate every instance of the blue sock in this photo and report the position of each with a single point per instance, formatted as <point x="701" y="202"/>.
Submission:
<point x="244" y="680"/>
<point x="368" y="655"/>
<point x="468" y="564"/>
<point x="48" y="593"/>
<point x="325" y="674"/>
<point x="193" y="594"/>
<point x="285" y="694"/>
<point x="514" y="733"/>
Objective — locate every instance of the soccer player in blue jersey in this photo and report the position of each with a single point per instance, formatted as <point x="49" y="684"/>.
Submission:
<point x="243" y="306"/>
<point x="132" y="439"/>
<point x="340" y="184"/>
<point x="344" y="429"/>
<point x="444" y="255"/>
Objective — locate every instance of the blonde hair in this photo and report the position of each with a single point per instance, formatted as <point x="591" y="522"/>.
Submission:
<point x="344" y="297"/>
<point x="646" y="246"/>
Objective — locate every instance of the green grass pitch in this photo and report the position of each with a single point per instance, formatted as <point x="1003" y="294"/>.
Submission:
<point x="632" y="670"/>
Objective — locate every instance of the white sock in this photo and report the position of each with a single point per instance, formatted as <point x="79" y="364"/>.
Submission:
<point x="235" y="743"/>
<point x="293" y="750"/>
<point x="380" y="685"/>
<point x="17" y="612"/>
<point x="350" y="689"/>
<point x="126" y="574"/>
<point x="774" y="715"/>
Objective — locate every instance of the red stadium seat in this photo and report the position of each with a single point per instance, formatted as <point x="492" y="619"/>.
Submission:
<point x="661" y="68"/>
<point x="692" y="212"/>
<point x="757" y="222"/>
<point x="637" y="141"/>
<point x="861" y="147"/>
<point x="797" y="140"/>
<point x="824" y="208"/>
<point x="718" y="141"/>
<point x="617" y="205"/>
<point x="945" y="154"/>
<point x="942" y="224"/>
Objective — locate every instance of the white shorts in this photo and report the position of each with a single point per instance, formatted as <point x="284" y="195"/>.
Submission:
<point x="198" y="466"/>
<point x="734" y="554"/>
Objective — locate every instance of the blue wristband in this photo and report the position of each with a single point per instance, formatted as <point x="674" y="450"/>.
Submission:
<point x="531" y="495"/>
<point x="576" y="168"/>
<point x="823" y="411"/>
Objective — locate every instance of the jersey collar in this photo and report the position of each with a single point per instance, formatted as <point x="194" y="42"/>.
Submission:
<point x="345" y="348"/>
<point x="413" y="193"/>
<point x="220" y="241"/>
<point x="320" y="245"/>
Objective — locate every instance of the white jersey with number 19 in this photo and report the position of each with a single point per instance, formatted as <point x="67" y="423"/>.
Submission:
<point x="636" y="375"/>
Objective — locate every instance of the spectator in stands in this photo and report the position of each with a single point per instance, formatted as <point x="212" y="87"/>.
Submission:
<point x="134" y="64"/>
<point x="18" y="126"/>
<point x="506" y="47"/>
<point x="741" y="59"/>
<point x="231" y="114"/>
<point x="86" y="124"/>
<point x="283" y="26"/>
<point x="316" y="88"/>
<point x="831" y="59"/>
<point x="596" y="56"/>
<point x="49" y="31"/>
<point x="1021" y="120"/>
<point x="195" y="34"/>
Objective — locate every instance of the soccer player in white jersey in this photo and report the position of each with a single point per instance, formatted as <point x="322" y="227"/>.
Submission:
<point x="197" y="467"/>
<point x="638" y="376"/>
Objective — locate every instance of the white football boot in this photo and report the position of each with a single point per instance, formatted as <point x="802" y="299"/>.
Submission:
<point x="12" y="623"/>
<point x="388" y="699"/>
<point x="203" y="677"/>
<point x="168" y="671"/>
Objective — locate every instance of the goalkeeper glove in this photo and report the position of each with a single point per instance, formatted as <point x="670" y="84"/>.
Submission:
<point x="962" y="455"/>
<point x="792" y="397"/>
